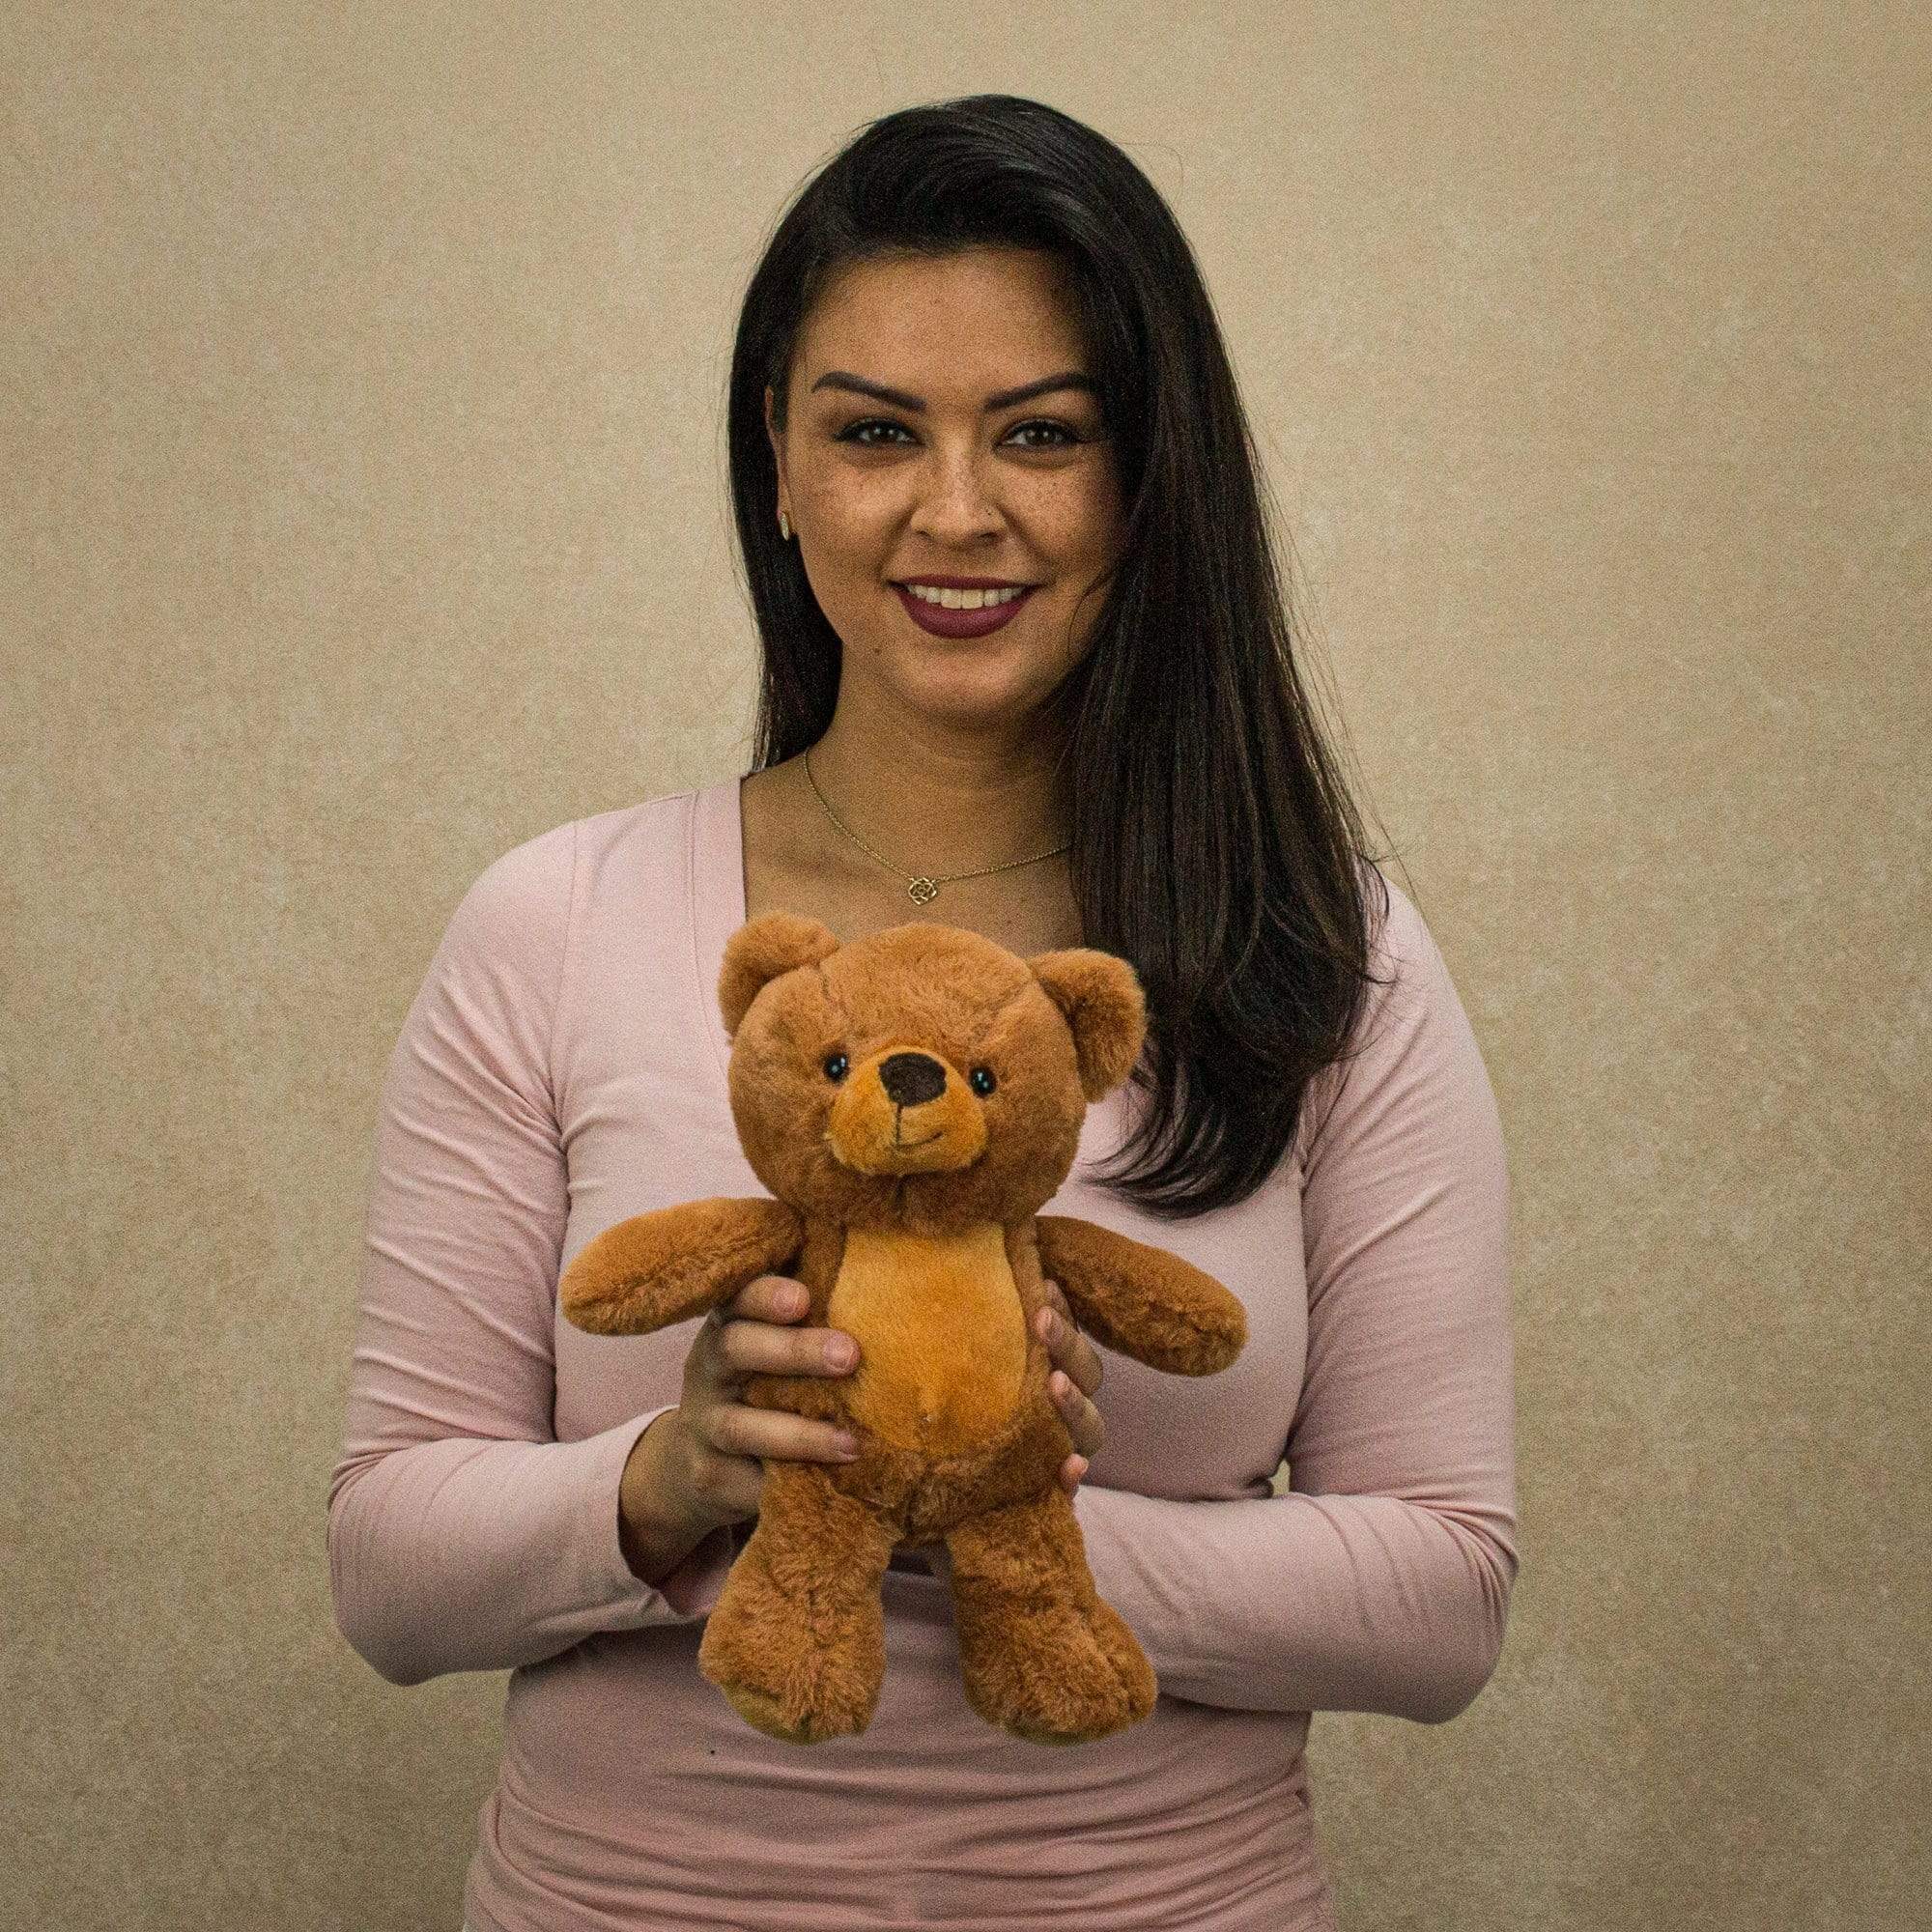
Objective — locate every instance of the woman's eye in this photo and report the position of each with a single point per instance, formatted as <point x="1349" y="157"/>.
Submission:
<point x="835" y="1066"/>
<point x="1065" y="438"/>
<point x="879" y="432"/>
<point x="858" y="433"/>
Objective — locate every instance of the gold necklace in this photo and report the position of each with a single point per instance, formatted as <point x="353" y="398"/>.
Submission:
<point x="923" y="888"/>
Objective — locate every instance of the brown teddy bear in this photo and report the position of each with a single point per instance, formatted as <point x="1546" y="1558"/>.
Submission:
<point x="912" y="1100"/>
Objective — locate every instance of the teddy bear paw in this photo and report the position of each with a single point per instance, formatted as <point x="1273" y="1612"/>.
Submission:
<point x="1060" y="1676"/>
<point x="793" y="1685"/>
<point x="789" y="1721"/>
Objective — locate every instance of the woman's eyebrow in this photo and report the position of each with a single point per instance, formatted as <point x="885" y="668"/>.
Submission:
<point x="1067" y="379"/>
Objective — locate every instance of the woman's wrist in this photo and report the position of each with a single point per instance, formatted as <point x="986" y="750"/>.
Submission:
<point x="656" y="1529"/>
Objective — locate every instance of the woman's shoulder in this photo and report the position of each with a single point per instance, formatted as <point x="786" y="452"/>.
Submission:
<point x="1400" y="945"/>
<point x="1401" y="948"/>
<point x="522" y="900"/>
<point x="536" y="867"/>
<point x="664" y="816"/>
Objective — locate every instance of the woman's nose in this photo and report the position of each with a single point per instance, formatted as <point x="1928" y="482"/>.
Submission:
<point x="957" y="501"/>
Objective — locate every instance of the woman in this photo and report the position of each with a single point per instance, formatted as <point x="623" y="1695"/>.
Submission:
<point x="976" y="352"/>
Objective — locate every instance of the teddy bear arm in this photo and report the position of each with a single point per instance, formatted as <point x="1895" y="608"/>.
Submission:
<point x="1140" y="1301"/>
<point x="661" y="1267"/>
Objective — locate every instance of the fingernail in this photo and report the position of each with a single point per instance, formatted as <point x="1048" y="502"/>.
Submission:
<point x="1059" y="1385"/>
<point x="1049" y="1324"/>
<point x="847" y="1447"/>
<point x="1082" y="1469"/>
<point x="841" y="1351"/>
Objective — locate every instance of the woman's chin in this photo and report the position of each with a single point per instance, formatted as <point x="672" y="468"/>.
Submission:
<point x="968" y="702"/>
<point x="963" y="683"/>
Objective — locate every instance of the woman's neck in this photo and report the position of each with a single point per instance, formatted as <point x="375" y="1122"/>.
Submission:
<point x="938" y="802"/>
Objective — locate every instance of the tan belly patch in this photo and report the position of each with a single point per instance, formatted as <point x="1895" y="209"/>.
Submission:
<point x="941" y="1334"/>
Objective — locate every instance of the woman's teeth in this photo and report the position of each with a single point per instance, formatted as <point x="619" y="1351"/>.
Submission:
<point x="965" y="600"/>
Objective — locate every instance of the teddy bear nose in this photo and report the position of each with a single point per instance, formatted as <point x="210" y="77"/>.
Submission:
<point x="909" y="1078"/>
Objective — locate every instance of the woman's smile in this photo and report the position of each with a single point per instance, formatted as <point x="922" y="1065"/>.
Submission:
<point x="946" y="611"/>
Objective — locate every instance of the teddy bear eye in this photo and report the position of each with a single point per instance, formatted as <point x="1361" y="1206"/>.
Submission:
<point x="835" y="1066"/>
<point x="981" y="1081"/>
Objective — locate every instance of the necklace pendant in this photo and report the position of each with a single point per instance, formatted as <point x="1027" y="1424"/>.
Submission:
<point x="922" y="892"/>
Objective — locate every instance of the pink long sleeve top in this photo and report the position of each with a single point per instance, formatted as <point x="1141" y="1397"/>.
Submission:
<point x="563" y="1067"/>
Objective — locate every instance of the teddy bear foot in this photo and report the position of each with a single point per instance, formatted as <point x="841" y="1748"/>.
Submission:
<point x="777" y="1720"/>
<point x="1060" y="1676"/>
<point x="805" y="1662"/>
<point x="793" y="1687"/>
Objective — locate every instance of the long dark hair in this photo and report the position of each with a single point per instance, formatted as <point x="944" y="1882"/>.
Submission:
<point x="1215" y="845"/>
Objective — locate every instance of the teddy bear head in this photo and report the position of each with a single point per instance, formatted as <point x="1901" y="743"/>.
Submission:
<point x="921" y="1077"/>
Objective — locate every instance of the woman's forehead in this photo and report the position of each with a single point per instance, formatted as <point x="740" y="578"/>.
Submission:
<point x="971" y="323"/>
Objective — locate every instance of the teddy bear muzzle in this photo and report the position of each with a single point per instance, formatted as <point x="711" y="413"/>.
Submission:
<point x="905" y="1111"/>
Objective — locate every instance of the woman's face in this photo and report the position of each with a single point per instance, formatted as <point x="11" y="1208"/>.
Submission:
<point x="909" y="459"/>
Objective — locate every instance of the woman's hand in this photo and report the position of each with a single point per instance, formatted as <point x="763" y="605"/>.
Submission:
<point x="1073" y="1381"/>
<point x="1077" y="1369"/>
<point x="705" y="1465"/>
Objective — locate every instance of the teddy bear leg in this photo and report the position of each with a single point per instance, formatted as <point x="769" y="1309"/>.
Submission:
<point x="1042" y="1654"/>
<point x="796" y="1640"/>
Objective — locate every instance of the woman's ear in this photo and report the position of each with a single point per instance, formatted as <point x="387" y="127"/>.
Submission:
<point x="1099" y="996"/>
<point x="762" y="949"/>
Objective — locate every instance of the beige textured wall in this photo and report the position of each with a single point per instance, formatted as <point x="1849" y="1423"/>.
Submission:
<point x="362" y="512"/>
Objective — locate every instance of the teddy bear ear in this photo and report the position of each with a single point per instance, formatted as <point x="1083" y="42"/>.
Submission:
<point x="759" y="950"/>
<point x="1104" y="1008"/>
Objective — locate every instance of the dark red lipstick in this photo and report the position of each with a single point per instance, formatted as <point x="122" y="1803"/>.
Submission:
<point x="941" y="622"/>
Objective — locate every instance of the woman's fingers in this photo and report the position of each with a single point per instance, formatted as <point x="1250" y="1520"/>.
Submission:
<point x="749" y="1339"/>
<point x="1081" y="1418"/>
<point x="764" y="1349"/>
<point x="750" y="1335"/>
<point x="1070" y="1349"/>
<point x="1075" y="1378"/>
<point x="1072" y="1356"/>
<point x="766" y="1297"/>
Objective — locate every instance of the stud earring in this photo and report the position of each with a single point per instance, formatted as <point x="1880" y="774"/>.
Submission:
<point x="784" y="527"/>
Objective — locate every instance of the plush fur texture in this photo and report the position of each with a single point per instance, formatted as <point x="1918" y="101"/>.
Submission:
<point x="912" y="1100"/>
